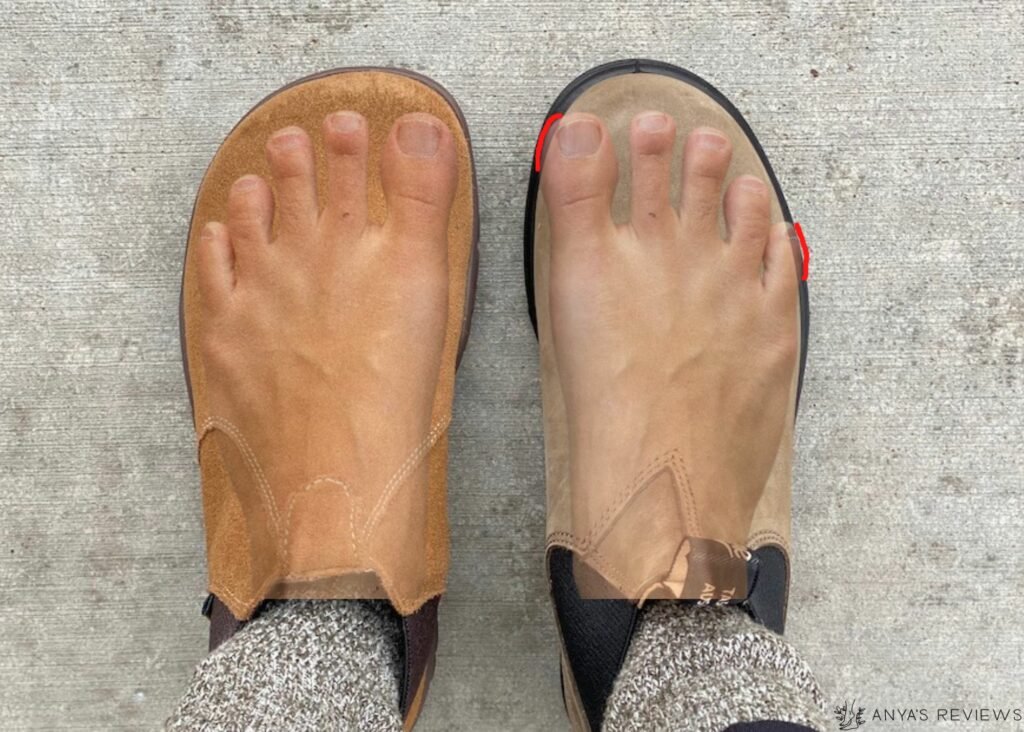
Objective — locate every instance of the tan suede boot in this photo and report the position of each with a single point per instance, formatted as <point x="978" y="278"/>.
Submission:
<point x="335" y="487"/>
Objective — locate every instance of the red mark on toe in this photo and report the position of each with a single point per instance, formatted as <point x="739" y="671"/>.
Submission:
<point x="538" y="155"/>
<point x="804" y="251"/>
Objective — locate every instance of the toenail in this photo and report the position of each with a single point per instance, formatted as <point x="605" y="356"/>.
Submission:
<point x="711" y="139"/>
<point x="207" y="233"/>
<point x="344" y="122"/>
<point x="798" y="252"/>
<point x="286" y="139"/>
<point x="246" y="183"/>
<point x="652" y="122"/>
<point x="750" y="184"/>
<point x="579" y="138"/>
<point x="793" y="238"/>
<point x="418" y="138"/>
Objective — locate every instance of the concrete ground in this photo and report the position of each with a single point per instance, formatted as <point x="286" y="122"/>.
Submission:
<point x="896" y="131"/>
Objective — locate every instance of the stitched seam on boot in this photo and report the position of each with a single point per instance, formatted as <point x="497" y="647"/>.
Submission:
<point x="403" y="472"/>
<point x="674" y="462"/>
<point x="238" y="439"/>
<point x="236" y="436"/>
<point x="352" y="499"/>
<point x="244" y="607"/>
<point x="768" y="534"/>
<point x="568" y="539"/>
<point x="600" y="563"/>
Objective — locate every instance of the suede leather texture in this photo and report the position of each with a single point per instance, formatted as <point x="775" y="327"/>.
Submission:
<point x="632" y="530"/>
<point x="379" y="531"/>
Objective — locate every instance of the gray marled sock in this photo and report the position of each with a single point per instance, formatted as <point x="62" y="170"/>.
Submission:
<point x="301" y="665"/>
<point x="704" y="668"/>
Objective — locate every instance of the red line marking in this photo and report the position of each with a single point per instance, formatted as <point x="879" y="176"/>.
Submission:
<point x="804" y="250"/>
<point x="538" y="155"/>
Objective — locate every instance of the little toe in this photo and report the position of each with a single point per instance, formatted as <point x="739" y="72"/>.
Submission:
<point x="346" y="140"/>
<point x="706" y="158"/>
<point x="419" y="174"/>
<point x="783" y="264"/>
<point x="748" y="217"/>
<point x="652" y="137"/>
<point x="215" y="263"/>
<point x="290" y="156"/>
<point x="578" y="179"/>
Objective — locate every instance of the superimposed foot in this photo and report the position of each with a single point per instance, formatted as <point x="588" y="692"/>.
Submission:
<point x="667" y="334"/>
<point x="322" y="331"/>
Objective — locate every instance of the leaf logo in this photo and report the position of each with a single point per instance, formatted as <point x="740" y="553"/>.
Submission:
<point x="849" y="716"/>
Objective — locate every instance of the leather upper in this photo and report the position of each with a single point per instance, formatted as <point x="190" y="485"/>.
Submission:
<point x="642" y="514"/>
<point x="350" y="504"/>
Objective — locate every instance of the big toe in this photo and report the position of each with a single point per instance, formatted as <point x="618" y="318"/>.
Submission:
<point x="578" y="179"/>
<point x="419" y="175"/>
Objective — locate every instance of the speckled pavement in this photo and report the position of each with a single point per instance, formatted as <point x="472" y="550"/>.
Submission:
<point x="896" y="131"/>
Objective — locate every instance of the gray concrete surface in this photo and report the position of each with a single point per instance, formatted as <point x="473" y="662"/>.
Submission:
<point x="896" y="129"/>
